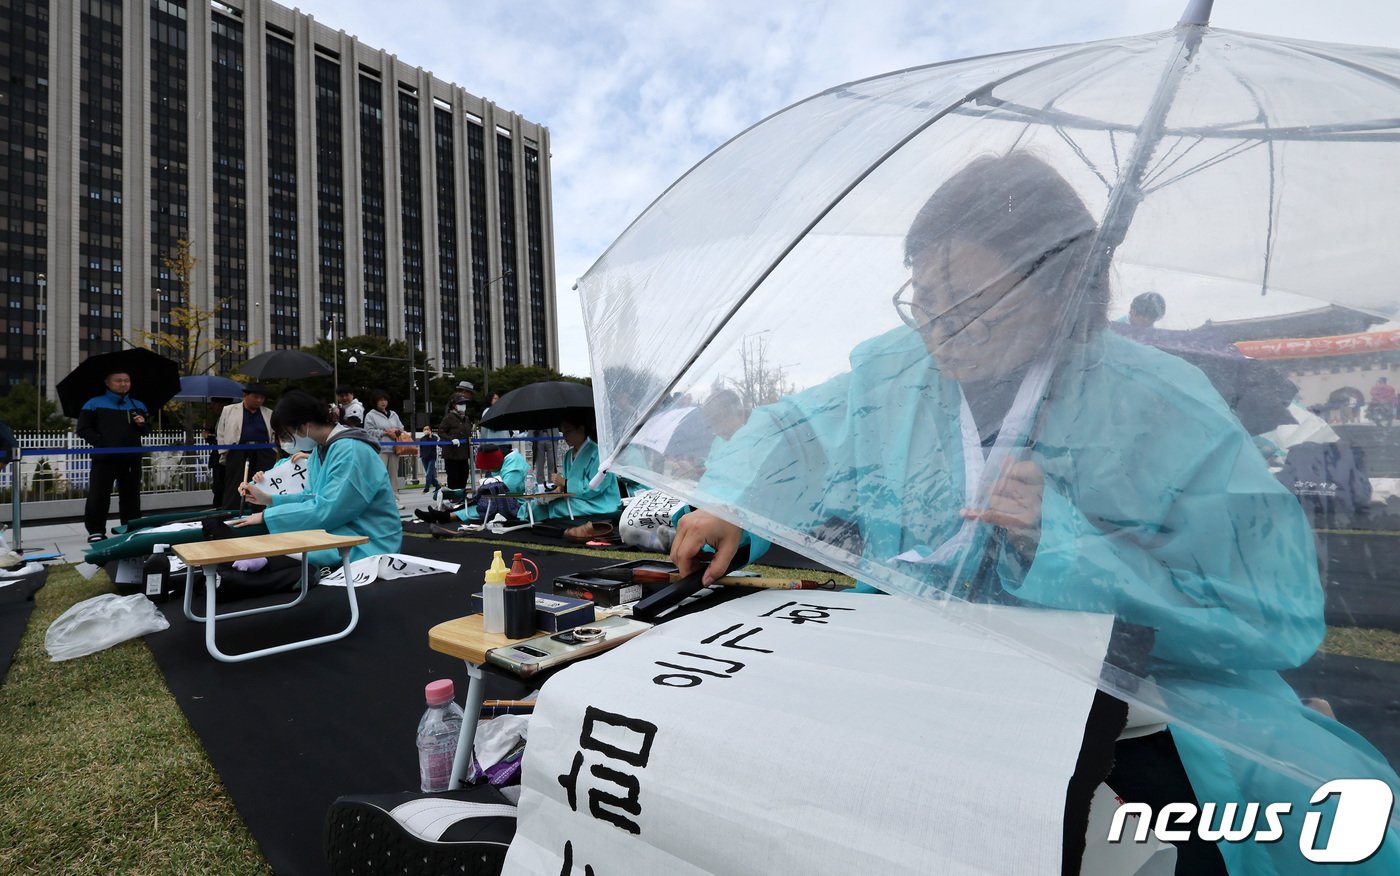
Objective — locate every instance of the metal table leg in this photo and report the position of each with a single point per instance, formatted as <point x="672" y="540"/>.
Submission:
<point x="471" y="713"/>
<point x="304" y="586"/>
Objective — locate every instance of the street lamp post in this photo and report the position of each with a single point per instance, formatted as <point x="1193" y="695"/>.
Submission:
<point x="485" y="381"/>
<point x="486" y="354"/>
<point x="335" y="356"/>
<point x="357" y="354"/>
<point x="160" y="315"/>
<point x="43" y="309"/>
<point x="412" y="383"/>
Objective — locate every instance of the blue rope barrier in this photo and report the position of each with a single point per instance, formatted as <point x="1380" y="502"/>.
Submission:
<point x="200" y="448"/>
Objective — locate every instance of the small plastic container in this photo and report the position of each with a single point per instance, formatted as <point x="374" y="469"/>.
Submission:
<point x="520" y="599"/>
<point x="493" y="596"/>
<point x="438" y="730"/>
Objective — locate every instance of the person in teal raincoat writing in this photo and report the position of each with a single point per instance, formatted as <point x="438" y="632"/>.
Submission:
<point x="347" y="489"/>
<point x="579" y="466"/>
<point x="1002" y="447"/>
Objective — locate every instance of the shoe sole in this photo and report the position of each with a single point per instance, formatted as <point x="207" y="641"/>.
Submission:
<point x="361" y="837"/>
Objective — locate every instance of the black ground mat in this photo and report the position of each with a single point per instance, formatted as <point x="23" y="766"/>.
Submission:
<point x="291" y="732"/>
<point x="545" y="537"/>
<point x="16" y="604"/>
<point x="1361" y="578"/>
<point x="1365" y="694"/>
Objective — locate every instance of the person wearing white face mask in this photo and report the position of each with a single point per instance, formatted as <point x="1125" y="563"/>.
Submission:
<point x="347" y="488"/>
<point x="456" y="426"/>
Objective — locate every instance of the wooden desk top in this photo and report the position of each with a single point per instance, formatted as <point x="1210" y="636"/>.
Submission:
<point x="226" y="550"/>
<point x="465" y="639"/>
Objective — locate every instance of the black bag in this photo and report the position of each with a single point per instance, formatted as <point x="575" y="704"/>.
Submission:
<point x="509" y="508"/>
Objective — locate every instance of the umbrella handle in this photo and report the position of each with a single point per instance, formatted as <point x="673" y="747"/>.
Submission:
<point x="1197" y="12"/>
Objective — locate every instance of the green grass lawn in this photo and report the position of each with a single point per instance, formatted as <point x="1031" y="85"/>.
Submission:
<point x="100" y="772"/>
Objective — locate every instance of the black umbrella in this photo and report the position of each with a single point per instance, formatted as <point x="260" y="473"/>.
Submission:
<point x="154" y="379"/>
<point x="541" y="406"/>
<point x="1256" y="391"/>
<point x="285" y="364"/>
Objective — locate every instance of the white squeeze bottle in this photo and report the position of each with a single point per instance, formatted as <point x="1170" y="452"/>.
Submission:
<point x="493" y="596"/>
<point x="438" y="730"/>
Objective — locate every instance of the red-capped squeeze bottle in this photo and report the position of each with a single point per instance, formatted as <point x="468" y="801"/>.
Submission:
<point x="520" y="599"/>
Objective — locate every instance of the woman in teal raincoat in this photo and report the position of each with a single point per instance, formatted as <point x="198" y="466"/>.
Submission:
<point x="1003" y="447"/>
<point x="347" y="490"/>
<point x="579" y="467"/>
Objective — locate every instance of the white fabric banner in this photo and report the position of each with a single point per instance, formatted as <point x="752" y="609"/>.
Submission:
<point x="817" y="733"/>
<point x="388" y="566"/>
<point x="646" y="520"/>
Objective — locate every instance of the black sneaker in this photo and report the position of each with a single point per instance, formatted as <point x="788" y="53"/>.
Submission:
<point x="95" y="537"/>
<point x="466" y="831"/>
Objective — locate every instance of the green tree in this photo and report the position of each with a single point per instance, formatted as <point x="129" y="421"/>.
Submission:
<point x="379" y="364"/>
<point x="18" y="409"/>
<point x="503" y="380"/>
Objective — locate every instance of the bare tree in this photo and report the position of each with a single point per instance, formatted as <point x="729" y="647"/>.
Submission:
<point x="190" y="338"/>
<point x="760" y="381"/>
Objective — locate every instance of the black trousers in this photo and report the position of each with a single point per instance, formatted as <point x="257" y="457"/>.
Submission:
<point x="258" y="460"/>
<point x="126" y="471"/>
<point x="458" y="471"/>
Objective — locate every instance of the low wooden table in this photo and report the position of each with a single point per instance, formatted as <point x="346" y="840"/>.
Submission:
<point x="529" y="499"/>
<point x="466" y="639"/>
<point x="209" y="554"/>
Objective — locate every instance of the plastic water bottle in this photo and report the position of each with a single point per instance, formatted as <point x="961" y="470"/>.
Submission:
<point x="437" y="736"/>
<point x="530" y="485"/>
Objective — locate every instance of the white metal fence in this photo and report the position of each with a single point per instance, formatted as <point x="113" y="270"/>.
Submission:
<point x="54" y="476"/>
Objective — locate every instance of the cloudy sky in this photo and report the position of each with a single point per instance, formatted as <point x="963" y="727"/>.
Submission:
<point x="635" y="92"/>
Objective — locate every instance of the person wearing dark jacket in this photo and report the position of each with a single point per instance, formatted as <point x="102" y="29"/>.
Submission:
<point x="456" y="426"/>
<point x="113" y="419"/>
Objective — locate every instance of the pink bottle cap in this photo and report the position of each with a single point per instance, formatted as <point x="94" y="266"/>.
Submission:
<point x="439" y="692"/>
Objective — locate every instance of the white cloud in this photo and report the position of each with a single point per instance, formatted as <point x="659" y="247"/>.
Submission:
<point x="634" y="94"/>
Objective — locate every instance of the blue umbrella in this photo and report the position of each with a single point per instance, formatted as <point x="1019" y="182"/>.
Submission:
<point x="202" y="387"/>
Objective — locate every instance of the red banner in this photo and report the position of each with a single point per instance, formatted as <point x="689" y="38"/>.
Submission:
<point x="1306" y="348"/>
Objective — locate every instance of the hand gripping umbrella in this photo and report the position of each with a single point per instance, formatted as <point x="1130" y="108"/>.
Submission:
<point x="935" y="405"/>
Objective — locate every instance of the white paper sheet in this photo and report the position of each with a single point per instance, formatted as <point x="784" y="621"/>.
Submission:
<point x="388" y="566"/>
<point x="285" y="479"/>
<point x="809" y="733"/>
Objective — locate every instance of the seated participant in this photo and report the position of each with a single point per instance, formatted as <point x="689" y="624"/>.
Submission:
<point x="511" y="473"/>
<point x="347" y="489"/>
<point x="579" y="467"/>
<point x="1002" y="447"/>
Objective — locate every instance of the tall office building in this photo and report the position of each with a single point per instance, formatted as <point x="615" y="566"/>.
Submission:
<point x="319" y="181"/>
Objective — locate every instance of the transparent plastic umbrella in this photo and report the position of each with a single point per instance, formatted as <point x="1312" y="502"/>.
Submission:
<point x="900" y="288"/>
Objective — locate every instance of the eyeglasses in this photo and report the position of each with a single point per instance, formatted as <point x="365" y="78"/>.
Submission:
<point x="965" y="317"/>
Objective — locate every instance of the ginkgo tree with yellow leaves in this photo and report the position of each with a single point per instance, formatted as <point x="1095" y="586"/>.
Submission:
<point x="189" y="336"/>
